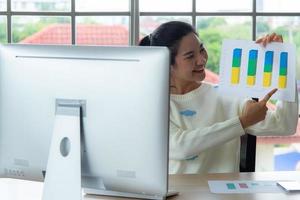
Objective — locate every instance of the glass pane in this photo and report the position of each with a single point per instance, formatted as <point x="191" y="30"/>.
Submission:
<point x="212" y="30"/>
<point x="102" y="30"/>
<point x="41" y="5"/>
<point x="3" y="5"/>
<point x="224" y="6"/>
<point x="278" y="5"/>
<point x="278" y="153"/>
<point x="166" y="6"/>
<point x="281" y="150"/>
<point x="41" y="30"/>
<point x="288" y="27"/>
<point x="149" y="23"/>
<point x="3" y="29"/>
<point x="102" y="5"/>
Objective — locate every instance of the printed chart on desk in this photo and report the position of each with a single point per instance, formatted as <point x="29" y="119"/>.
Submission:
<point x="238" y="186"/>
<point x="250" y="70"/>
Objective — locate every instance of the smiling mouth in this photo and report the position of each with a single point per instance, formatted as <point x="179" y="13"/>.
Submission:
<point x="199" y="70"/>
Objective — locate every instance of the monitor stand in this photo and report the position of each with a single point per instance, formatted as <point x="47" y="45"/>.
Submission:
<point x="91" y="191"/>
<point x="63" y="175"/>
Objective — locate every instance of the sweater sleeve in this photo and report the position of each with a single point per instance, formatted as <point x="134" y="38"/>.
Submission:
<point x="282" y="121"/>
<point x="188" y="143"/>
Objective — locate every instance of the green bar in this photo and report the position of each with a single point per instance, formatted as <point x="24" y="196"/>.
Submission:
<point x="236" y="62"/>
<point x="283" y="71"/>
<point x="252" y="67"/>
<point x="268" y="68"/>
<point x="230" y="186"/>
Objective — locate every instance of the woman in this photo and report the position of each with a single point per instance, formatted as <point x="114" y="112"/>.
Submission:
<point x="205" y="126"/>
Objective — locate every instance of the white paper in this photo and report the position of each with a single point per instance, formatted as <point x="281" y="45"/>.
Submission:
<point x="290" y="186"/>
<point x="257" y="90"/>
<point x="231" y="187"/>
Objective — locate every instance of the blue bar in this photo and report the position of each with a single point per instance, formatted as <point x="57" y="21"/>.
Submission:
<point x="283" y="59"/>
<point x="269" y="58"/>
<point x="253" y="54"/>
<point x="237" y="53"/>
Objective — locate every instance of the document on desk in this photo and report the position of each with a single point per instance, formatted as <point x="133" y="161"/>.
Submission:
<point x="223" y="187"/>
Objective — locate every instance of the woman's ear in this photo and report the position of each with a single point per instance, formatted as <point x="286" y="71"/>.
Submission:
<point x="171" y="68"/>
<point x="172" y="83"/>
<point x="172" y="75"/>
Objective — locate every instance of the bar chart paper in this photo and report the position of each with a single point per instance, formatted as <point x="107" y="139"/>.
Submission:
<point x="248" y="69"/>
<point x="239" y="186"/>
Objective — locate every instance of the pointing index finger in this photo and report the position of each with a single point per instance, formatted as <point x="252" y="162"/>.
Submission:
<point x="269" y="95"/>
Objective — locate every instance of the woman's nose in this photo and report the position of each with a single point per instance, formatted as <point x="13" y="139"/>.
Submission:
<point x="200" y="60"/>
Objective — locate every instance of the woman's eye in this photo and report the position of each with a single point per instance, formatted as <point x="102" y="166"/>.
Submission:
<point x="202" y="48"/>
<point x="189" y="57"/>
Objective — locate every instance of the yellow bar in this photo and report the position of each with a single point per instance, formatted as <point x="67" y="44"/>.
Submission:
<point x="282" y="82"/>
<point x="267" y="79"/>
<point x="235" y="75"/>
<point x="250" y="80"/>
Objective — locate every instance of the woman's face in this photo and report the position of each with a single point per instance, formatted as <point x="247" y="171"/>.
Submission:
<point x="190" y="60"/>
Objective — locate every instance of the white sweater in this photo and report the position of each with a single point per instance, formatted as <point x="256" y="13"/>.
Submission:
<point x="205" y="130"/>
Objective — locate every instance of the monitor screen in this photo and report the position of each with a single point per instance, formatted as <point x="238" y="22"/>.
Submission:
<point x="125" y="119"/>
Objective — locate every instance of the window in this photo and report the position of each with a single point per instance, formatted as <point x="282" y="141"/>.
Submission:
<point x="224" y="6"/>
<point x="125" y="22"/>
<point x="3" y="5"/>
<point x="102" y="5"/>
<point x="3" y="22"/>
<point x="278" y="6"/>
<point x="212" y="30"/>
<point x="166" y="6"/>
<point x="149" y="23"/>
<point x="3" y="31"/>
<point x="285" y="151"/>
<point x="41" y="30"/>
<point x="41" y="5"/>
<point x="90" y="22"/>
<point x="104" y="30"/>
<point x="152" y="15"/>
<point x="287" y="26"/>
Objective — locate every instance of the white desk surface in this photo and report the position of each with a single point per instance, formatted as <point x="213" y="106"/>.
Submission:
<point x="189" y="186"/>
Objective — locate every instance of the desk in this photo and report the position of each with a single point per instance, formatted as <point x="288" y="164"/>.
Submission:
<point x="190" y="187"/>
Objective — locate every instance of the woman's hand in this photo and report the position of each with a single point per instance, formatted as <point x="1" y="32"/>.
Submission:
<point x="269" y="38"/>
<point x="255" y="112"/>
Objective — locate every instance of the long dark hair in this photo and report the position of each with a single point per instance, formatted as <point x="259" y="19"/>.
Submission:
<point x="168" y="35"/>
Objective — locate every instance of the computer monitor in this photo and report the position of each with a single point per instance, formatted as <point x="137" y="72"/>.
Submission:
<point x="125" y="115"/>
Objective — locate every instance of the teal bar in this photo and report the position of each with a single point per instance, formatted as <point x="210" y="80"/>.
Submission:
<point x="283" y="71"/>
<point x="268" y="61"/>
<point x="236" y="59"/>
<point x="252" y="62"/>
<point x="230" y="186"/>
<point x="268" y="68"/>
<point x="283" y="63"/>
<point x="236" y="62"/>
<point x="283" y="59"/>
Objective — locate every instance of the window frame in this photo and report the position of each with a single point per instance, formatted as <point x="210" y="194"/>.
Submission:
<point x="134" y="15"/>
<point x="72" y="14"/>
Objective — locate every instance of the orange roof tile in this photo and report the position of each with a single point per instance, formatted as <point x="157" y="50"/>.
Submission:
<point x="87" y="34"/>
<point x="211" y="77"/>
<point x="281" y="139"/>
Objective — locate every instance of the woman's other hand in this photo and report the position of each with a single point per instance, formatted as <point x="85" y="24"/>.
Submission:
<point x="269" y="38"/>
